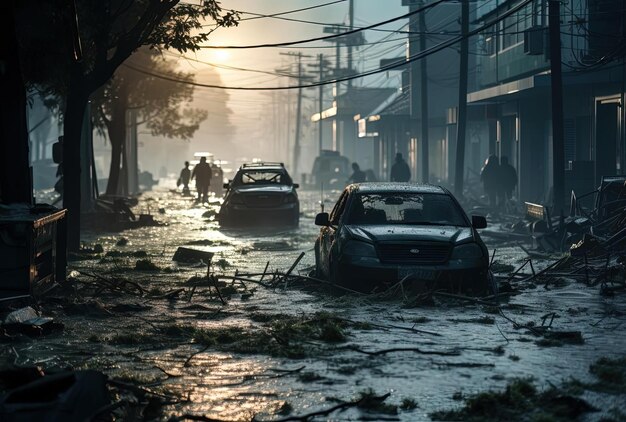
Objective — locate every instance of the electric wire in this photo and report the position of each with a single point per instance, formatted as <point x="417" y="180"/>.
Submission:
<point x="343" y="34"/>
<point x="434" y="49"/>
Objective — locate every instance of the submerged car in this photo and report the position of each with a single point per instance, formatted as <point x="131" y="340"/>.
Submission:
<point x="260" y="194"/>
<point x="380" y="233"/>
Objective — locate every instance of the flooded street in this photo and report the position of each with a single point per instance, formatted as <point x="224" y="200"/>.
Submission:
<point x="123" y="298"/>
<point x="268" y="353"/>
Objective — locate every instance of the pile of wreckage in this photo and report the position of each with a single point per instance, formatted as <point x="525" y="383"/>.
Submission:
<point x="590" y="243"/>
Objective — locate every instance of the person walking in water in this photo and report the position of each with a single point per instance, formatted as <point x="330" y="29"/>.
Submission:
<point x="183" y="179"/>
<point x="400" y="171"/>
<point x="489" y="177"/>
<point x="202" y="173"/>
<point x="358" y="175"/>
<point x="507" y="180"/>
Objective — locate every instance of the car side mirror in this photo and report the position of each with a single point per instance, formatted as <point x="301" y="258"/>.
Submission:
<point x="296" y="185"/>
<point x="321" y="219"/>
<point x="479" y="222"/>
<point x="226" y="185"/>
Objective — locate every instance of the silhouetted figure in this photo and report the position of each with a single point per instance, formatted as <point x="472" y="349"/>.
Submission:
<point x="507" y="180"/>
<point x="183" y="179"/>
<point x="370" y="176"/>
<point x="358" y="175"/>
<point x="400" y="171"/>
<point x="202" y="173"/>
<point x="489" y="177"/>
<point x="217" y="180"/>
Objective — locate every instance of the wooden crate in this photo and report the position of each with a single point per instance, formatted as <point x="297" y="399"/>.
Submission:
<point x="32" y="249"/>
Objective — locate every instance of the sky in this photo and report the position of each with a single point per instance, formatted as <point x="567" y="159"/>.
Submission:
<point x="252" y="111"/>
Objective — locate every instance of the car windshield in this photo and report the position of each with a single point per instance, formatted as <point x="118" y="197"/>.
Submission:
<point x="265" y="177"/>
<point x="405" y="208"/>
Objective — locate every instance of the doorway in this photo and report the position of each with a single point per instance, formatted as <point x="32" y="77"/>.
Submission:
<point x="606" y="142"/>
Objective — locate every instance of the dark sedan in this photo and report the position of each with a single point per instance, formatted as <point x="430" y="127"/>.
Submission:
<point x="380" y="233"/>
<point x="260" y="194"/>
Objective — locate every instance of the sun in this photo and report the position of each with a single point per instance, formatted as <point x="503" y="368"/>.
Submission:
<point x="220" y="56"/>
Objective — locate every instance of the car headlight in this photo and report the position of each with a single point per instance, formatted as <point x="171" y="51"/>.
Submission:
<point x="468" y="251"/>
<point x="356" y="248"/>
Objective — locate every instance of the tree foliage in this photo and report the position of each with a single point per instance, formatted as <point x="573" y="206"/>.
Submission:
<point x="110" y="31"/>
<point x="73" y="51"/>
<point x="162" y="105"/>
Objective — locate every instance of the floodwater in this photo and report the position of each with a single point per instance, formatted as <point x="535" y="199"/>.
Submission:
<point x="454" y="347"/>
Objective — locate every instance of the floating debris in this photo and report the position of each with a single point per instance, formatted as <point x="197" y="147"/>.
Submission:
<point x="146" y="265"/>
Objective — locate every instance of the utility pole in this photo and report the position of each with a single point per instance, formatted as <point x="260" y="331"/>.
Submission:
<point x="321" y="105"/>
<point x="461" y="125"/>
<point x="556" y="83"/>
<point x="418" y="77"/>
<point x="351" y="15"/>
<point x="322" y="70"/>
<point x="296" y="144"/>
<point x="349" y="41"/>
<point x="275" y="127"/>
<point x="424" y="97"/>
<point x="301" y="78"/>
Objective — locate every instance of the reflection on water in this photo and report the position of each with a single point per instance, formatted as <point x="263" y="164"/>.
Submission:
<point x="234" y="386"/>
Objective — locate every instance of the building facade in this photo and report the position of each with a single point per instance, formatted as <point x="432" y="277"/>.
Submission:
<point x="513" y="92"/>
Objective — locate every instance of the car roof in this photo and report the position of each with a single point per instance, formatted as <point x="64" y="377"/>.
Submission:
<point x="262" y="168"/>
<point x="379" y="187"/>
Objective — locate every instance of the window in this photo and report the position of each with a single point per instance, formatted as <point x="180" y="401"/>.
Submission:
<point x="512" y="27"/>
<point x="264" y="178"/>
<point x="338" y="209"/>
<point x="405" y="208"/>
<point x="489" y="45"/>
<point x="509" y="31"/>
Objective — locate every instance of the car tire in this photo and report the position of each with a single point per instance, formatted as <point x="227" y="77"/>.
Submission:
<point x="318" y="270"/>
<point x="332" y="271"/>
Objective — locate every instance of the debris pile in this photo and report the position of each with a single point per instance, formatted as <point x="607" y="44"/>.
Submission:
<point x="29" y="322"/>
<point x="583" y="229"/>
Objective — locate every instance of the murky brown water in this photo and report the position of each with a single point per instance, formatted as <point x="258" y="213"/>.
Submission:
<point x="485" y="349"/>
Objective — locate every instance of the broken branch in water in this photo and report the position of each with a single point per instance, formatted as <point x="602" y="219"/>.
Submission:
<point x="345" y="405"/>
<point x="404" y="349"/>
<point x="204" y="349"/>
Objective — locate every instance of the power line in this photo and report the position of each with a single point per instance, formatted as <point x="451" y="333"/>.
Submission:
<point x="273" y="15"/>
<point x="333" y="47"/>
<point x="342" y="26"/>
<point x="434" y="49"/>
<point x="227" y="67"/>
<point x="343" y="34"/>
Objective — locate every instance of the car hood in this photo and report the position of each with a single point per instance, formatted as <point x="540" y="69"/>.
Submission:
<point x="264" y="189"/>
<point x="383" y="233"/>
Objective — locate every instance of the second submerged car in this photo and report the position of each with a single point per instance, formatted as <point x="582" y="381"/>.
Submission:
<point x="260" y="194"/>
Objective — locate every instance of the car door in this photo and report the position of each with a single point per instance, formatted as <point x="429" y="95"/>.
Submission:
<point x="327" y="233"/>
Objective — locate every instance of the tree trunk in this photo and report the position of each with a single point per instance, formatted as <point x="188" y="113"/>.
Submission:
<point x="117" y="135"/>
<point x="15" y="175"/>
<point x="114" y="169"/>
<point x="76" y="103"/>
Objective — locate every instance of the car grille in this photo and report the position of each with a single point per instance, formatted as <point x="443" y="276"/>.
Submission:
<point x="405" y="253"/>
<point x="263" y="200"/>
